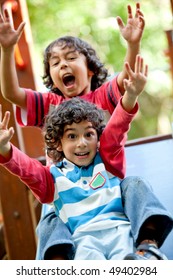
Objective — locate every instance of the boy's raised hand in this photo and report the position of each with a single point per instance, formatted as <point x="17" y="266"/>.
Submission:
<point x="137" y="78"/>
<point x="8" y="35"/>
<point x="135" y="84"/>
<point x="5" y="133"/>
<point x="133" y="30"/>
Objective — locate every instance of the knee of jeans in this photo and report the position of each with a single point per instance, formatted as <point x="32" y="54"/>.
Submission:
<point x="134" y="182"/>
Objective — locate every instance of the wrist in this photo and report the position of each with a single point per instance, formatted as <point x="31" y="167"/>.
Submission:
<point x="129" y="102"/>
<point x="7" y="50"/>
<point x="134" y="46"/>
<point x="6" y="151"/>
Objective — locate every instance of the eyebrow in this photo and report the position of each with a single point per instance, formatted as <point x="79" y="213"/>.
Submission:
<point x="69" y="129"/>
<point x="73" y="129"/>
<point x="54" y="55"/>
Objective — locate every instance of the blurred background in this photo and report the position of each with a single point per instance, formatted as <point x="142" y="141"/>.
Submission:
<point x="95" y="22"/>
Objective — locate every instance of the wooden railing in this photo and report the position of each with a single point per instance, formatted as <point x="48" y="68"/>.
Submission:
<point x="19" y="217"/>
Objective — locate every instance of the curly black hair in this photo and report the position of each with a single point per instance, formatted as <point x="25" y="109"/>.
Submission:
<point x="69" y="111"/>
<point x="93" y="62"/>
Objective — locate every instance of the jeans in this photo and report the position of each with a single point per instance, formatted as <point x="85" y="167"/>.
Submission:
<point x="52" y="232"/>
<point x="140" y="204"/>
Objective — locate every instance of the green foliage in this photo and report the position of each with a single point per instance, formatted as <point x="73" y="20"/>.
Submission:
<point x="95" y="22"/>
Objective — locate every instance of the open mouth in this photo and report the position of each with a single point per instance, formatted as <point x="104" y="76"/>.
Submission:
<point x="68" y="80"/>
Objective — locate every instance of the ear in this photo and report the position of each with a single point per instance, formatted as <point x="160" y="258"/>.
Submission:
<point x="90" y="73"/>
<point x="98" y="145"/>
<point x="59" y="148"/>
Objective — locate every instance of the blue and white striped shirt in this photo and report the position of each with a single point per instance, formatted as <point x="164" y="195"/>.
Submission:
<point x="87" y="198"/>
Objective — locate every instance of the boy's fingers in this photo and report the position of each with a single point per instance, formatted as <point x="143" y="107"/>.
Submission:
<point x="120" y="22"/>
<point x="146" y="71"/>
<point x="129" y="10"/>
<point x="140" y="13"/>
<point x="128" y="69"/>
<point x="125" y="81"/>
<point x="6" y="15"/>
<point x="0" y="112"/>
<point x="138" y="64"/>
<point x="21" y="27"/>
<point x="5" y="121"/>
<point x="1" y="18"/>
<point x="142" y="21"/>
<point x="137" y="9"/>
<point x="11" y="132"/>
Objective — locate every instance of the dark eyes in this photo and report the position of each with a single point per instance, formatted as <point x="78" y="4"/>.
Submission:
<point x="56" y="63"/>
<point x="71" y="136"/>
<point x="72" y="58"/>
<point x="87" y="135"/>
<point x="67" y="59"/>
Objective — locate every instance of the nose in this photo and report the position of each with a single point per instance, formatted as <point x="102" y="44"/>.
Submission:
<point x="63" y="64"/>
<point x="82" y="142"/>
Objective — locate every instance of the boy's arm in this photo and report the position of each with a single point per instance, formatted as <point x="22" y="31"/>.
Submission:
<point x="113" y="139"/>
<point x="114" y="136"/>
<point x="9" y="81"/>
<point x="132" y="33"/>
<point x="30" y="171"/>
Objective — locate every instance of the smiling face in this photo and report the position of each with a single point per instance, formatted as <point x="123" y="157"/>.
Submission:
<point x="79" y="143"/>
<point x="69" y="71"/>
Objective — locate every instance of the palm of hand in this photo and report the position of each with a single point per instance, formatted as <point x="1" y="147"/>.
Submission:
<point x="4" y="137"/>
<point x="135" y="84"/>
<point x="132" y="32"/>
<point x="8" y="36"/>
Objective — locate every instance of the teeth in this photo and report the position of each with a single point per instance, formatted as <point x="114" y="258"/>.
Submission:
<point x="81" y="154"/>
